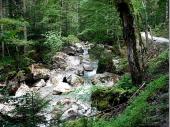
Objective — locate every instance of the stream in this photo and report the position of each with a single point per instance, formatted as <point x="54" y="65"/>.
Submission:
<point x="76" y="103"/>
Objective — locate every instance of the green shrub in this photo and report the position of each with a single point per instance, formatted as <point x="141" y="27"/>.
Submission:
<point x="53" y="41"/>
<point x="71" y="39"/>
<point x="53" y="44"/>
<point x="126" y="82"/>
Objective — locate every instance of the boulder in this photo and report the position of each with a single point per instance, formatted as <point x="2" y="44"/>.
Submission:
<point x="73" y="109"/>
<point x="73" y="61"/>
<point x="56" y="78"/>
<point x="60" y="61"/>
<point x="88" y="67"/>
<point x="63" y="61"/>
<point x="22" y="90"/>
<point x="5" y="109"/>
<point x="62" y="88"/>
<point x="32" y="79"/>
<point x="41" y="83"/>
<point x="74" y="80"/>
<point x="71" y="113"/>
<point x="80" y="71"/>
<point x="70" y="50"/>
<point x="106" y="78"/>
<point x="79" y="47"/>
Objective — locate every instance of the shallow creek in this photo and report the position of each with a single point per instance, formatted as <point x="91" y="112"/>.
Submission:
<point x="76" y="103"/>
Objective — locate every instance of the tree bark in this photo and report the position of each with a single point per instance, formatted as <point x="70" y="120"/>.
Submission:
<point x="130" y="39"/>
<point x="146" y="22"/>
<point x="25" y="27"/>
<point x="2" y="14"/>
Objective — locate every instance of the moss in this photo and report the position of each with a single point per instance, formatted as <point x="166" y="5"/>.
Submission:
<point x="82" y="122"/>
<point x="105" y="58"/>
<point x="103" y="104"/>
<point x="104" y="98"/>
<point x="133" y="115"/>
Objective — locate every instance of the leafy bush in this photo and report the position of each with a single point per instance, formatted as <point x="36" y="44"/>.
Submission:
<point x="53" y="41"/>
<point x="71" y="39"/>
<point x="125" y="82"/>
<point x="53" y="44"/>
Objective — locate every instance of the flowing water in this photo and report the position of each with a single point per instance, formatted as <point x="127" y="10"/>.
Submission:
<point x="81" y="94"/>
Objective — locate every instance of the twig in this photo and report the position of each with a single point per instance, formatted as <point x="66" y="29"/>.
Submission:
<point x="136" y="92"/>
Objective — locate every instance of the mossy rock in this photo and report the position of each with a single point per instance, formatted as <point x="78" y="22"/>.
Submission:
<point x="106" y="98"/>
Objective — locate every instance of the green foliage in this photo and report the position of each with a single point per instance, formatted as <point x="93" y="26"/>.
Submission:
<point x="159" y="64"/>
<point x="104" y="57"/>
<point x="135" y="112"/>
<point x="53" y="41"/>
<point x="53" y="44"/>
<point x="28" y="111"/>
<point x="6" y="65"/>
<point x="8" y="21"/>
<point x="71" y="39"/>
<point x="82" y="122"/>
<point x="125" y="82"/>
<point x="104" y="98"/>
<point x="99" y="21"/>
<point x="161" y="30"/>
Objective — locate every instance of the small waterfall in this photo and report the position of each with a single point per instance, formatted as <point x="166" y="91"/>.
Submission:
<point x="88" y="75"/>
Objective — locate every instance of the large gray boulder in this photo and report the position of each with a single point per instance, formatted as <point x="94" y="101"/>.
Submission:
<point x="108" y="79"/>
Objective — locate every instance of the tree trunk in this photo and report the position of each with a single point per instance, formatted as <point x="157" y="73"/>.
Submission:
<point x="1" y="13"/>
<point x="78" y="11"/>
<point x="141" y="44"/>
<point x="146" y="22"/>
<point x="130" y="39"/>
<point x="25" y="27"/>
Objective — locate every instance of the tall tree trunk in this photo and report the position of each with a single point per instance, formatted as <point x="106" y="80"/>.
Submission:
<point x="25" y="27"/>
<point x="1" y="13"/>
<point x="130" y="39"/>
<point x="146" y="22"/>
<point x="61" y="17"/>
<point x="167" y="11"/>
<point x="141" y="44"/>
<point x="78" y="11"/>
